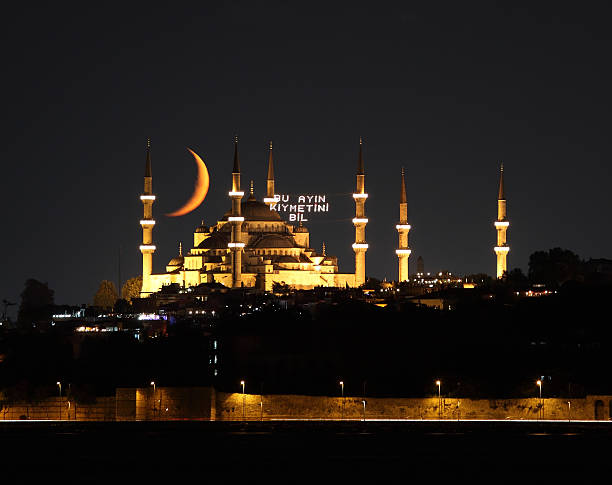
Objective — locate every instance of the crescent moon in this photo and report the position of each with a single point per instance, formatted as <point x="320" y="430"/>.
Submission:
<point x="200" y="191"/>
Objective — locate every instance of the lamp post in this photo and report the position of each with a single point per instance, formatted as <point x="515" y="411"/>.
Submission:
<point x="539" y="384"/>
<point x="243" y="398"/>
<point x="153" y="384"/>
<point x="364" y="406"/>
<point x="342" y="409"/>
<point x="59" y="384"/>
<point x="438" y="383"/>
<point x="569" y="411"/>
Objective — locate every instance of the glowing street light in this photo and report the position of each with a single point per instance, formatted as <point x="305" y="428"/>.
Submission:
<point x="342" y="409"/>
<point x="243" y="399"/>
<point x="539" y="384"/>
<point x="438" y="383"/>
<point x="59" y="384"/>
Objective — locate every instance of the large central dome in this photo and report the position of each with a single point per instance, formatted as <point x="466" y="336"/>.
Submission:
<point x="253" y="210"/>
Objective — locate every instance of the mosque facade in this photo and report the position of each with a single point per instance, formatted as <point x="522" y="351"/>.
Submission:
<point x="251" y="245"/>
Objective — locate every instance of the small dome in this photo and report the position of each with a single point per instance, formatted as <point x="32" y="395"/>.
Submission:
<point x="301" y="229"/>
<point x="177" y="261"/>
<point x="202" y="228"/>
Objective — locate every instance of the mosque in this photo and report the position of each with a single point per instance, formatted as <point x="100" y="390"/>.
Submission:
<point x="252" y="246"/>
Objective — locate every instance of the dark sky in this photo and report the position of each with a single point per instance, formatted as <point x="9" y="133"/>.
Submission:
<point x="444" y="91"/>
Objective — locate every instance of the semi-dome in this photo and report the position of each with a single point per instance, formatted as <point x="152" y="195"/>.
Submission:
<point x="274" y="241"/>
<point x="218" y="240"/>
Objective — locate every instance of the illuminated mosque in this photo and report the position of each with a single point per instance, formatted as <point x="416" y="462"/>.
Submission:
<point x="251" y="245"/>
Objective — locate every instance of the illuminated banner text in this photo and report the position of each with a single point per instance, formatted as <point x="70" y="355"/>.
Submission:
<point x="299" y="206"/>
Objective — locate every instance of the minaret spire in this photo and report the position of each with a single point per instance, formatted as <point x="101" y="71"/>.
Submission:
<point x="501" y="196"/>
<point x="360" y="170"/>
<point x="147" y="248"/>
<point x="236" y="168"/>
<point x="501" y="225"/>
<point x="360" y="220"/>
<point x="235" y="245"/>
<point x="403" y="228"/>
<point x="269" y="198"/>
<point x="148" y="172"/>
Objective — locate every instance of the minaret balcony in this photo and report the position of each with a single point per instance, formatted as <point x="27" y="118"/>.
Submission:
<point x="147" y="197"/>
<point x="235" y="245"/>
<point x="403" y="251"/>
<point x="406" y="227"/>
<point x="360" y="246"/>
<point x="360" y="196"/>
<point x="235" y="219"/>
<point x="236" y="193"/>
<point x="502" y="224"/>
<point x="360" y="220"/>
<point x="147" y="248"/>
<point x="147" y="222"/>
<point x="502" y="249"/>
<point x="270" y="200"/>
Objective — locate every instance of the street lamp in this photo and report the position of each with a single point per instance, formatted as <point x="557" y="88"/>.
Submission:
<point x="438" y="383"/>
<point x="364" y="406"/>
<point x="539" y="384"/>
<point x="569" y="411"/>
<point x="243" y="398"/>
<point x="153" y="384"/>
<point x="59" y="384"/>
<point x="342" y="387"/>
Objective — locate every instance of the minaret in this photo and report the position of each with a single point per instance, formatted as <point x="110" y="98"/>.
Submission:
<point x="235" y="245"/>
<point x="269" y="198"/>
<point x="147" y="248"/>
<point x="360" y="246"/>
<point x="403" y="228"/>
<point x="501" y="224"/>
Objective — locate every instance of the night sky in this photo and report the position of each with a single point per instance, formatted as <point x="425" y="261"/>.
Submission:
<point x="444" y="91"/>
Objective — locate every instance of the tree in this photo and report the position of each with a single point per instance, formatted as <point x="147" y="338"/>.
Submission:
<point x="132" y="288"/>
<point x="516" y="279"/>
<point x="106" y="296"/>
<point x="36" y="303"/>
<point x="554" y="267"/>
<point x="280" y="288"/>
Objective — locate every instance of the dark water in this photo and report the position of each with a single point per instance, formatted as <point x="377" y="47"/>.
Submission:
<point x="315" y="452"/>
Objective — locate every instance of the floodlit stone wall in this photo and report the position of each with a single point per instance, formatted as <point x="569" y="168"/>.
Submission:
<point x="204" y="403"/>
